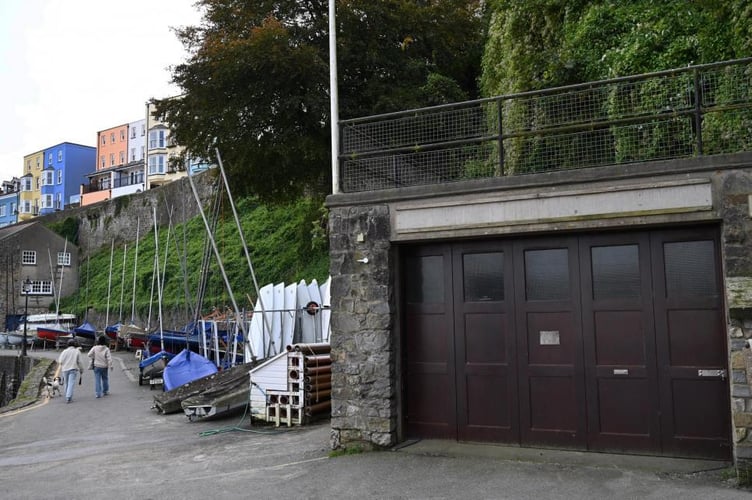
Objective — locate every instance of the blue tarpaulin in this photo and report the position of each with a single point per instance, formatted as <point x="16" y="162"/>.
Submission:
<point x="186" y="367"/>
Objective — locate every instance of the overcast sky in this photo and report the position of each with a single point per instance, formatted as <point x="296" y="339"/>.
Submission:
<point x="70" y="68"/>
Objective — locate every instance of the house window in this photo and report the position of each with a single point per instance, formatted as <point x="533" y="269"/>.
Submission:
<point x="133" y="154"/>
<point x="60" y="176"/>
<point x="39" y="163"/>
<point x="47" y="201"/>
<point x="40" y="288"/>
<point x="28" y="165"/>
<point x="38" y="179"/>
<point x="122" y="135"/>
<point x="49" y="159"/>
<point x="13" y="208"/>
<point x="112" y="138"/>
<point x="25" y="207"/>
<point x="156" y="164"/>
<point x="60" y="156"/>
<point x="63" y="259"/>
<point x="122" y="157"/>
<point x="3" y="208"/>
<point x="143" y="152"/>
<point x="103" y="163"/>
<point x="48" y="178"/>
<point x="29" y="257"/>
<point x="59" y="201"/>
<point x="156" y="139"/>
<point x="143" y="129"/>
<point x="26" y="184"/>
<point x="112" y="159"/>
<point x="104" y="140"/>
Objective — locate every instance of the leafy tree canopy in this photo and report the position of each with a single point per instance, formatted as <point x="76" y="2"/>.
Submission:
<point x="256" y="82"/>
<point x="548" y="43"/>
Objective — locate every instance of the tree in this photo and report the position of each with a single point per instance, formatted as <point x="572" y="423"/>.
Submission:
<point x="256" y="81"/>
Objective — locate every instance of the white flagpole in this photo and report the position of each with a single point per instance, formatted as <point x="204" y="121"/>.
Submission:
<point x="333" y="96"/>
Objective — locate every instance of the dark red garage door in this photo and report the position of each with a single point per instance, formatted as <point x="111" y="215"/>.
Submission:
<point x="612" y="342"/>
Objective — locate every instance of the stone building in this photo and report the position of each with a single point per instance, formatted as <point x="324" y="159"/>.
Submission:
<point x="31" y="251"/>
<point x="602" y="301"/>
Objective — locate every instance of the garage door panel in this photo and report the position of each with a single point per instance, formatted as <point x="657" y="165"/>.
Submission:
<point x="693" y="338"/>
<point x="551" y="338"/>
<point x="691" y="344"/>
<point x="484" y="342"/>
<point x="619" y="338"/>
<point x="625" y="406"/>
<point x="431" y="411"/>
<point x="485" y="338"/>
<point x="487" y="401"/>
<point x="708" y="421"/>
<point x="427" y="341"/>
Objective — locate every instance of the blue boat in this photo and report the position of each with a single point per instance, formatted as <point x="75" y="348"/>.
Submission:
<point x="151" y="368"/>
<point x="186" y="367"/>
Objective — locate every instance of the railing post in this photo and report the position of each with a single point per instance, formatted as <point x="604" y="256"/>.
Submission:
<point x="501" y="139"/>
<point x="698" y="111"/>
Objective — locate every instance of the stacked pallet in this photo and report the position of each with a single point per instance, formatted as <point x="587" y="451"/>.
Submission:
<point x="306" y="392"/>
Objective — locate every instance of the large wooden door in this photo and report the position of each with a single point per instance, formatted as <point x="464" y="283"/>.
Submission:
<point x="431" y="393"/>
<point x="619" y="341"/>
<point x="551" y="369"/>
<point x="692" y="359"/>
<point x="607" y="342"/>
<point x="485" y="343"/>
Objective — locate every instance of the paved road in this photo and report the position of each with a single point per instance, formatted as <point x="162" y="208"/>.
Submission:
<point x="119" y="448"/>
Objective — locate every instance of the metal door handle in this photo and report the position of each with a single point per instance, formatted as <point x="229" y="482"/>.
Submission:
<point x="621" y="371"/>
<point x="712" y="373"/>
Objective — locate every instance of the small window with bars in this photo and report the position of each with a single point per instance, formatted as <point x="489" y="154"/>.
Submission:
<point x="63" y="258"/>
<point x="29" y="257"/>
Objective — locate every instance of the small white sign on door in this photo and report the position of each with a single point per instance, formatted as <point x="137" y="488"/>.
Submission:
<point x="549" y="337"/>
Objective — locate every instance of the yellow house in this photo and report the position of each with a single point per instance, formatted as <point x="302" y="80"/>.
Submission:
<point x="30" y="195"/>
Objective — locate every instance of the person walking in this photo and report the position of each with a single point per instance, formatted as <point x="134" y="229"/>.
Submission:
<point x="101" y="360"/>
<point x="71" y="365"/>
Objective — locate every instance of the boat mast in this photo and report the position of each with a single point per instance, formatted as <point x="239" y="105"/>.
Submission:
<point x="109" y="287"/>
<point x="245" y="249"/>
<point x="219" y="259"/>
<point x="122" y="284"/>
<point x="60" y="291"/>
<point x="135" y="264"/>
<point x="159" y="284"/>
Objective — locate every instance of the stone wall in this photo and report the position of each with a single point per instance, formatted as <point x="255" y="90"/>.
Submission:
<point x="735" y="188"/>
<point x="364" y="356"/>
<point x="366" y="374"/>
<point x="119" y="219"/>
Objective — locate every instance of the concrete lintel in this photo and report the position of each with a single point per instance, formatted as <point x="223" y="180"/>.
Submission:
<point x="631" y="200"/>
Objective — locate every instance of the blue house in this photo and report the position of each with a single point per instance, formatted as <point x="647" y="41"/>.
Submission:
<point x="65" y="168"/>
<point x="9" y="202"/>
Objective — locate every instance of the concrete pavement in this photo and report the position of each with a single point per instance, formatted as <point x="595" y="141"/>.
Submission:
<point x="119" y="448"/>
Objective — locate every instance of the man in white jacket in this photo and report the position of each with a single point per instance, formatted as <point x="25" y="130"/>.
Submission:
<point x="71" y="365"/>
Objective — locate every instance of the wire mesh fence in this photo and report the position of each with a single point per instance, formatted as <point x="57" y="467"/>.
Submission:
<point x="687" y="112"/>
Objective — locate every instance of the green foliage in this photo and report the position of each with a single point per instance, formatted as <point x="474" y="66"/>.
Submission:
<point x="67" y="228"/>
<point x="256" y="83"/>
<point x="281" y="244"/>
<point x="550" y="43"/>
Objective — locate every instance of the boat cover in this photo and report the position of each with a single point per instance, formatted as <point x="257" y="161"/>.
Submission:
<point x="186" y="367"/>
<point x="86" y="329"/>
<point x="154" y="358"/>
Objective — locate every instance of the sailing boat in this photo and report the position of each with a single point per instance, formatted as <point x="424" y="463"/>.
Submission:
<point x="46" y="327"/>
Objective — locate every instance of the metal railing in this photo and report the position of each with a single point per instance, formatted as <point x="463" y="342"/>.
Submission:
<point x="693" y="111"/>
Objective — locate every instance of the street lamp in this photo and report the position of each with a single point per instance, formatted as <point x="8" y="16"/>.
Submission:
<point x="26" y="290"/>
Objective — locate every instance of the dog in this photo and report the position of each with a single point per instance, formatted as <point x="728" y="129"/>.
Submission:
<point x="52" y="387"/>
